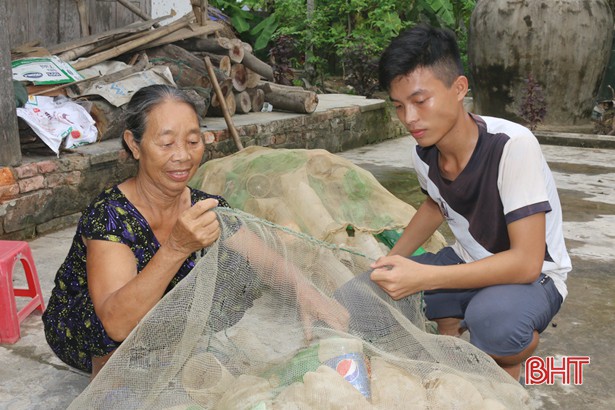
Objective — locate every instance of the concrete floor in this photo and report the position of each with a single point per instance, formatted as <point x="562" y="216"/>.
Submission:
<point x="585" y="178"/>
<point x="31" y="377"/>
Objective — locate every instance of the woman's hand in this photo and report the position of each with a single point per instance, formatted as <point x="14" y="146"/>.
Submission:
<point x="196" y="228"/>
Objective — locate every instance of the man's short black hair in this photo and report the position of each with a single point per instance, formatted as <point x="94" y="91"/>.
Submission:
<point x="421" y="46"/>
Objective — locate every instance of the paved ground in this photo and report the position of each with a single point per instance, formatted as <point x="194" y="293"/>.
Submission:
<point x="585" y="325"/>
<point x="31" y="377"/>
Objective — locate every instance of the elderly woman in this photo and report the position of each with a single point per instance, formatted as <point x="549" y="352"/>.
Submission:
<point x="138" y="239"/>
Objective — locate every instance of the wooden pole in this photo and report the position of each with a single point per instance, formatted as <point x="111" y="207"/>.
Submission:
<point x="222" y="100"/>
<point x="82" y="7"/>
<point x="131" y="45"/>
<point x="204" y="16"/>
<point x="136" y="10"/>
<point x="10" y="147"/>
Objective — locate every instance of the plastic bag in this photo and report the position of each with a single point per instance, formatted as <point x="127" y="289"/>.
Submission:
<point x="59" y="119"/>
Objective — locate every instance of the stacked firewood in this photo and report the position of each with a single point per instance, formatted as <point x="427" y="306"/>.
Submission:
<point x="245" y="81"/>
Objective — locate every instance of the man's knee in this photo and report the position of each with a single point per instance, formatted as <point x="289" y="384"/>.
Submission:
<point x="498" y="333"/>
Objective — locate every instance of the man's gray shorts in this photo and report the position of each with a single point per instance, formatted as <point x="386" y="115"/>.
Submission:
<point x="502" y="318"/>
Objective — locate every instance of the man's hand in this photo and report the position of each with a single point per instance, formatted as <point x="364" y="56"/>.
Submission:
<point x="399" y="276"/>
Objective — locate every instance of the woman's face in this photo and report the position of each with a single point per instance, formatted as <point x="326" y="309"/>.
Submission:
<point x="172" y="147"/>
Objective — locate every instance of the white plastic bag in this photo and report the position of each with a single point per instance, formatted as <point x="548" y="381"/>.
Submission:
<point x="59" y="119"/>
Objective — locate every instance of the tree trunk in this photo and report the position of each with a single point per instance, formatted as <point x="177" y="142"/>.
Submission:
<point x="563" y="45"/>
<point x="217" y="45"/>
<point x="258" y="66"/>
<point x="10" y="150"/>
<point x="252" y="78"/>
<point x="243" y="102"/>
<point x="239" y="77"/>
<point x="187" y="69"/>
<point x="288" y="98"/>
<point x="223" y="62"/>
<point x="257" y="98"/>
<point x="215" y="109"/>
<point x="108" y="119"/>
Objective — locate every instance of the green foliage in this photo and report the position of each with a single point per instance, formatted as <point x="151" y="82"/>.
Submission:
<point x="251" y="19"/>
<point x="361" y="68"/>
<point x="337" y="29"/>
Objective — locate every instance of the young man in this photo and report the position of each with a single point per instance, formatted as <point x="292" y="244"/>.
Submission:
<point x="504" y="278"/>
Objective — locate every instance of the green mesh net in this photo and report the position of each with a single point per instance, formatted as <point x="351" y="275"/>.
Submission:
<point x="274" y="319"/>
<point x="280" y="313"/>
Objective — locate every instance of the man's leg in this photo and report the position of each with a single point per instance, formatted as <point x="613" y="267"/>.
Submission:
<point x="445" y="307"/>
<point x="449" y="326"/>
<point x="512" y="364"/>
<point x="504" y="321"/>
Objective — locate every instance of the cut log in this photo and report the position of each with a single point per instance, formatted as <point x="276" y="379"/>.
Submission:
<point x="223" y="62"/>
<point x="108" y="119"/>
<point x="257" y="98"/>
<point x="216" y="45"/>
<point x="178" y="54"/>
<point x="226" y="89"/>
<point x="258" y="66"/>
<point x="225" y="65"/>
<point x="223" y="105"/>
<point x="247" y="48"/>
<point x="216" y="109"/>
<point x="243" y="102"/>
<point x="252" y="78"/>
<point x="188" y="70"/>
<point x="289" y="98"/>
<point x="239" y="77"/>
<point x="201" y="102"/>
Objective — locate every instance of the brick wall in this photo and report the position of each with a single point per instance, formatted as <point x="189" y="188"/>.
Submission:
<point x="46" y="194"/>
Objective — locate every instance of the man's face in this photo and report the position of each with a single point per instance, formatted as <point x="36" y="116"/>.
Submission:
<point x="426" y="106"/>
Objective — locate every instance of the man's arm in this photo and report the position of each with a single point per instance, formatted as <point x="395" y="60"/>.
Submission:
<point x="422" y="225"/>
<point x="522" y="263"/>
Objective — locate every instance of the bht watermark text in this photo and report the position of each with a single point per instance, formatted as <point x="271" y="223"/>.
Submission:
<point x="568" y="368"/>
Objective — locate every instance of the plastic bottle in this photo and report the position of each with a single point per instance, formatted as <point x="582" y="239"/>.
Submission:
<point x="345" y="356"/>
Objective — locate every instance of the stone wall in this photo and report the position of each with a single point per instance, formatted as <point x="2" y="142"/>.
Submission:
<point x="48" y="193"/>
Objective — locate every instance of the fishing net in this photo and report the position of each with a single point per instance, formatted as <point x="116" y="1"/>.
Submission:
<point x="314" y="192"/>
<point x="270" y="318"/>
<point x="279" y="313"/>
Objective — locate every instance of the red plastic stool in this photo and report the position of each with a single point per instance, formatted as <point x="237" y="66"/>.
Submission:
<point x="10" y="318"/>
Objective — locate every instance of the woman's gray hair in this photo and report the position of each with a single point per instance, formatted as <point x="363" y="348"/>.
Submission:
<point x="143" y="102"/>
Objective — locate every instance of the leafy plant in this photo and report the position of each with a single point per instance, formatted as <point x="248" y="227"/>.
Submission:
<point x="280" y="56"/>
<point x="361" y="67"/>
<point x="327" y="32"/>
<point x="252" y="19"/>
<point x="533" y="107"/>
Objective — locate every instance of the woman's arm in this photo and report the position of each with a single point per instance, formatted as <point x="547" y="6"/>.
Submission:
<point x="121" y="295"/>
<point x="313" y="305"/>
